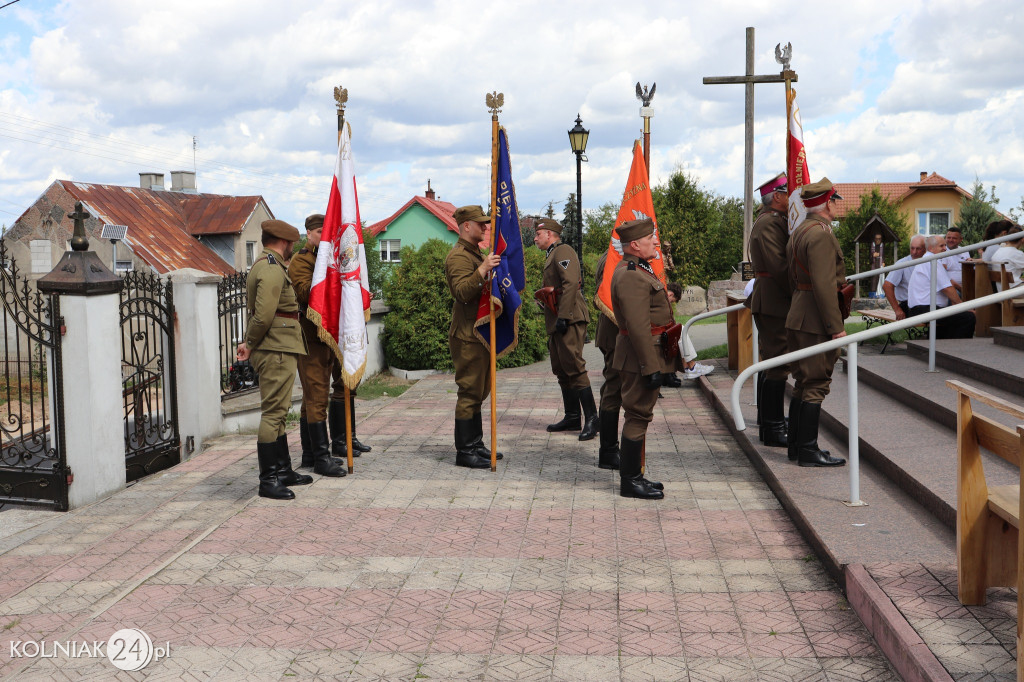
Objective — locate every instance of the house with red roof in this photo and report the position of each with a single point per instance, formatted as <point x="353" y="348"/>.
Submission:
<point x="168" y="229"/>
<point x="932" y="204"/>
<point x="421" y="218"/>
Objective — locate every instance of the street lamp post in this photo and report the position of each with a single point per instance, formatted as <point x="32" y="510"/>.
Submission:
<point x="578" y="141"/>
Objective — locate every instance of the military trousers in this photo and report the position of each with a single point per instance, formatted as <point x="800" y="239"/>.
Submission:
<point x="814" y="374"/>
<point x="276" y="370"/>
<point x="772" y="342"/>
<point x="566" y="351"/>
<point x="315" y="375"/>
<point x="637" y="405"/>
<point x="611" y="389"/>
<point x="472" y="375"/>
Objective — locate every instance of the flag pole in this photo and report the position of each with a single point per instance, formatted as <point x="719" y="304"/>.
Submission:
<point x="341" y="97"/>
<point x="497" y="99"/>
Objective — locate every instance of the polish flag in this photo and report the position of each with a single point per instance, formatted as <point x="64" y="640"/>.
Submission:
<point x="797" y="173"/>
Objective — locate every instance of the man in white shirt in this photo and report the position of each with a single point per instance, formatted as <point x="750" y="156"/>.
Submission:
<point x="955" y="264"/>
<point x="897" y="281"/>
<point x="959" y="326"/>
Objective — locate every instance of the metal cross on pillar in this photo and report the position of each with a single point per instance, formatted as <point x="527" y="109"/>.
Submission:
<point x="748" y="80"/>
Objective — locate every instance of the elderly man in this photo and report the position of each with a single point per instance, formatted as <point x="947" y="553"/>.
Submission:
<point x="959" y="326"/>
<point x="896" y="282"/>
<point x="817" y="271"/>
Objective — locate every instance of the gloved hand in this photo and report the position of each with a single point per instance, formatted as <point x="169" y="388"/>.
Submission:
<point x="653" y="380"/>
<point x="561" y="326"/>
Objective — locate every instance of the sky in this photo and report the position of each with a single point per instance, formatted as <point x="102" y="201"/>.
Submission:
<point x="102" y="90"/>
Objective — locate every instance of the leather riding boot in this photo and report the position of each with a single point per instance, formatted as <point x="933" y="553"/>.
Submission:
<point x="466" y="455"/>
<point x="307" y="454"/>
<point x="631" y="483"/>
<point x="356" y="445"/>
<point x="591" y="422"/>
<point x="758" y="397"/>
<point x="809" y="454"/>
<point x="773" y="423"/>
<point x="323" y="463"/>
<point x="478" y="442"/>
<point x="336" y="419"/>
<point x="791" y="429"/>
<point x="608" y="453"/>
<point x="657" y="485"/>
<point x="285" y="473"/>
<point x="270" y="486"/>
<point x="571" y="420"/>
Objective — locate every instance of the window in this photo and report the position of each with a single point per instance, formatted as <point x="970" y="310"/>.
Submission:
<point x="250" y="254"/>
<point x="41" y="260"/>
<point x="124" y="266"/>
<point x="934" y="222"/>
<point x="389" y="250"/>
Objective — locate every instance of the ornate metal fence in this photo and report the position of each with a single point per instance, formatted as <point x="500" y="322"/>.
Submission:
<point x="33" y="464"/>
<point x="231" y="307"/>
<point x="148" y="374"/>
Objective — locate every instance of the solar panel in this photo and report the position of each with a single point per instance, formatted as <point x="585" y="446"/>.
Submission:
<point x="116" y="232"/>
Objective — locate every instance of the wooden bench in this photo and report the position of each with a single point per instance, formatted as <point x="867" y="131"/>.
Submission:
<point x="1012" y="309"/>
<point x="980" y="280"/>
<point x="884" y="316"/>
<point x="988" y="544"/>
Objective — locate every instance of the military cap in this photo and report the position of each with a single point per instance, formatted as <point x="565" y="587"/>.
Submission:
<point x="471" y="213"/>
<point x="549" y="224"/>
<point x="280" y="229"/>
<point x="315" y="222"/>
<point x="635" y="229"/>
<point x="776" y="184"/>
<point x="817" y="193"/>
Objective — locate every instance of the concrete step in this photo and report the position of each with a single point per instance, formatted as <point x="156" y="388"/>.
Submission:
<point x="1010" y="337"/>
<point x="981" y="360"/>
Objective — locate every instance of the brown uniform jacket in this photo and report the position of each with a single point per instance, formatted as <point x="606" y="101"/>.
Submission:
<point x="562" y="271"/>
<point x="773" y="290"/>
<point x="607" y="330"/>
<point x="466" y="285"/>
<point x="640" y="302"/>
<point x="817" y="270"/>
<point x="300" y="271"/>
<point x="270" y="293"/>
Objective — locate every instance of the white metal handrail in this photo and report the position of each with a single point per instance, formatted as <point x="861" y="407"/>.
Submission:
<point x="933" y="256"/>
<point x="850" y="342"/>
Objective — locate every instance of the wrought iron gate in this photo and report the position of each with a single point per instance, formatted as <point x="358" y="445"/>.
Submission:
<point x="232" y="297"/>
<point x="33" y="463"/>
<point x="149" y="381"/>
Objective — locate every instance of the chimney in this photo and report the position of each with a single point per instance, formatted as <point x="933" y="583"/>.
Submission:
<point x="183" y="181"/>
<point x="429" y="193"/>
<point x="924" y="175"/>
<point x="153" y="181"/>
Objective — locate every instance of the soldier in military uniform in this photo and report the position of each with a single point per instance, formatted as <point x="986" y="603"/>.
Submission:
<point x="314" y="367"/>
<point x="567" y="330"/>
<point x="769" y="304"/>
<point x="643" y="312"/>
<point x="817" y="271"/>
<point x="466" y="270"/>
<point x="611" y="397"/>
<point x="273" y="341"/>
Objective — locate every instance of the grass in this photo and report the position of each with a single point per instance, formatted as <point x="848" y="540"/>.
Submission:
<point x="683" y="319"/>
<point x="383" y="384"/>
<point x="712" y="352"/>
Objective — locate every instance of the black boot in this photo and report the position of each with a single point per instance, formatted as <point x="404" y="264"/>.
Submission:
<point x="336" y="419"/>
<point x="807" y="440"/>
<point x="466" y="432"/>
<point x="323" y="463"/>
<point x="307" y="453"/>
<point x="591" y="422"/>
<point x="758" y="396"/>
<point x="270" y="486"/>
<point x="631" y="483"/>
<point x="478" y="442"/>
<point x="608" y="454"/>
<point x="571" y="420"/>
<point x="773" y="422"/>
<point x="285" y="474"/>
<point x="657" y="485"/>
<point x="791" y="430"/>
<point x="356" y="445"/>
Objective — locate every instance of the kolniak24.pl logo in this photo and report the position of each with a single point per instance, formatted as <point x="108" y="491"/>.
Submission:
<point x="129" y="649"/>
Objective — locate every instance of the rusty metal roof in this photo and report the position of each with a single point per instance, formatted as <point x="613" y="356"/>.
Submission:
<point x="162" y="224"/>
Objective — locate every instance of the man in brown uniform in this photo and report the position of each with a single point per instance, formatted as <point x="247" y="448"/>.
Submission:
<point x="314" y="367"/>
<point x="769" y="304"/>
<point x="567" y="330"/>
<point x="642" y="311"/>
<point x="273" y="341"/>
<point x="817" y="271"/>
<point x="611" y="397"/>
<point x="466" y="270"/>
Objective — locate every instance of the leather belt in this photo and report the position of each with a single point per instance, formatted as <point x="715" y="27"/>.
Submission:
<point x="762" y="274"/>
<point x="290" y="316"/>
<point x="804" y="287"/>
<point x="655" y="331"/>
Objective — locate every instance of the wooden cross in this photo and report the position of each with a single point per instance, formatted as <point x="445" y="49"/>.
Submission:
<point x="748" y="80"/>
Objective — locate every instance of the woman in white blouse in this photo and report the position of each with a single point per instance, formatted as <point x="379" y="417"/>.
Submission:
<point x="1010" y="254"/>
<point x="996" y="228"/>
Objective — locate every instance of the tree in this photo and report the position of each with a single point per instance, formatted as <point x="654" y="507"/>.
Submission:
<point x="853" y="223"/>
<point x="598" y="224"/>
<point x="569" y="227"/>
<point x="1017" y="212"/>
<point x="977" y="212"/>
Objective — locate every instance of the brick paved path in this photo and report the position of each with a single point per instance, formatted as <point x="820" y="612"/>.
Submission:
<point x="415" y="569"/>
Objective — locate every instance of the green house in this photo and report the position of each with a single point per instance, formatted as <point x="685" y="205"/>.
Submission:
<point x="420" y="219"/>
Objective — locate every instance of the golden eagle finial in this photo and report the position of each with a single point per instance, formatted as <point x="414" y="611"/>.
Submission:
<point x="341" y="97"/>
<point x="495" y="100"/>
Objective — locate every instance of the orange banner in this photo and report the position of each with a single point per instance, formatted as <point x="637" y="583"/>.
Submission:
<point x="637" y="202"/>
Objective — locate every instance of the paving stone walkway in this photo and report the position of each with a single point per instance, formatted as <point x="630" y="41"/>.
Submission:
<point x="413" y="569"/>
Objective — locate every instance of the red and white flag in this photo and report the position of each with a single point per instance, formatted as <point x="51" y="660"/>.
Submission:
<point x="339" y="297"/>
<point x="797" y="173"/>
